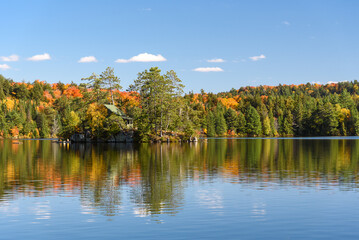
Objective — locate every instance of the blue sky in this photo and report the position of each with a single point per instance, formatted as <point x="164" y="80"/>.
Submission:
<point x="249" y="42"/>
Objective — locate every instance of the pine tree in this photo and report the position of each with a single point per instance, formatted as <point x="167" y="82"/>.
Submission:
<point x="221" y="126"/>
<point x="231" y="119"/>
<point x="298" y="118"/>
<point x="188" y="130"/>
<point x="253" y="126"/>
<point x="43" y="126"/>
<point x="345" y="100"/>
<point x="330" y="120"/>
<point x="241" y="123"/>
<point x="2" y="94"/>
<point x="159" y="96"/>
<point x="356" y="124"/>
<point x="110" y="82"/>
<point x="287" y="123"/>
<point x="211" y="127"/>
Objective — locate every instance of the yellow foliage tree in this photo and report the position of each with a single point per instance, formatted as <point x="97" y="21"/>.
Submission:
<point x="10" y="104"/>
<point x="95" y="115"/>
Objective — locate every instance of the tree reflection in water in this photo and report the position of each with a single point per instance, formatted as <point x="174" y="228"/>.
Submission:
<point x="154" y="176"/>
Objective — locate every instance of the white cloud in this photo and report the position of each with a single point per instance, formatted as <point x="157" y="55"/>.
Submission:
<point x="11" y="58"/>
<point x="256" y="58"/>
<point x="143" y="57"/>
<point x="40" y="57"/>
<point x="4" y="66"/>
<point x="286" y="23"/>
<point x="208" y="69"/>
<point x="87" y="59"/>
<point x="216" y="60"/>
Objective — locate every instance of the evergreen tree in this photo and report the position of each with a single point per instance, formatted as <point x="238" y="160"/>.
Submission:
<point x="42" y="125"/>
<point x="287" y="123"/>
<point x="253" y="126"/>
<point x="94" y="83"/>
<point x="37" y="92"/>
<point x="188" y="131"/>
<point x="345" y="100"/>
<point x="231" y="119"/>
<point x="356" y="124"/>
<point x="221" y="126"/>
<point x="2" y="94"/>
<point x="110" y="82"/>
<point x="330" y="120"/>
<point x="211" y="126"/>
<point x="298" y="118"/>
<point x="241" y="123"/>
<point x="158" y="94"/>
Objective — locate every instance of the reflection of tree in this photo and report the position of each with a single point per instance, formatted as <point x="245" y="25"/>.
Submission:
<point x="156" y="175"/>
<point x="162" y="178"/>
<point x="104" y="196"/>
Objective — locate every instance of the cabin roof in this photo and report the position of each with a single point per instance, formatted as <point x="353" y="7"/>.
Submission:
<point x="117" y="111"/>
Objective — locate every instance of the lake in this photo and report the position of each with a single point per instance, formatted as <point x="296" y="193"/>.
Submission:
<point x="305" y="188"/>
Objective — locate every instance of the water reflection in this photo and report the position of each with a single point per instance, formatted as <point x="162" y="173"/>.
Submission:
<point x="154" y="177"/>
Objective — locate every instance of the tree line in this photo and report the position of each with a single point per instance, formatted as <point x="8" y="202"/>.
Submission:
<point x="160" y="109"/>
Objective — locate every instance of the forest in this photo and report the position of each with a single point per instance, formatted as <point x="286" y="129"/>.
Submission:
<point x="162" y="111"/>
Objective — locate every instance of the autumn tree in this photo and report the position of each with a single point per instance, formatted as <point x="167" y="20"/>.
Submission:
<point x="70" y="123"/>
<point x="95" y="116"/>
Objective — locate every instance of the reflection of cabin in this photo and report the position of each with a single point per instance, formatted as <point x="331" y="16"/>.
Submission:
<point x="113" y="109"/>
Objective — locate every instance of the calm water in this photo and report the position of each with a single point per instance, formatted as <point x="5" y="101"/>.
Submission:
<point x="220" y="189"/>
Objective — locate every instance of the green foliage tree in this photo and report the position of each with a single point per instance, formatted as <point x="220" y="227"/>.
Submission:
<point x="110" y="82"/>
<point x="253" y="122"/>
<point x="241" y="123"/>
<point x="37" y="92"/>
<point x="159" y="97"/>
<point x="70" y="123"/>
<point x="211" y="125"/>
<point x="94" y="83"/>
<point x="221" y="126"/>
<point x="287" y="123"/>
<point x="188" y="130"/>
<point x="267" y="131"/>
<point x="43" y="126"/>
<point x="231" y="119"/>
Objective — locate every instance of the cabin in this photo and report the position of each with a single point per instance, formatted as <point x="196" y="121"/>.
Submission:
<point x="113" y="109"/>
<point x="124" y="136"/>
